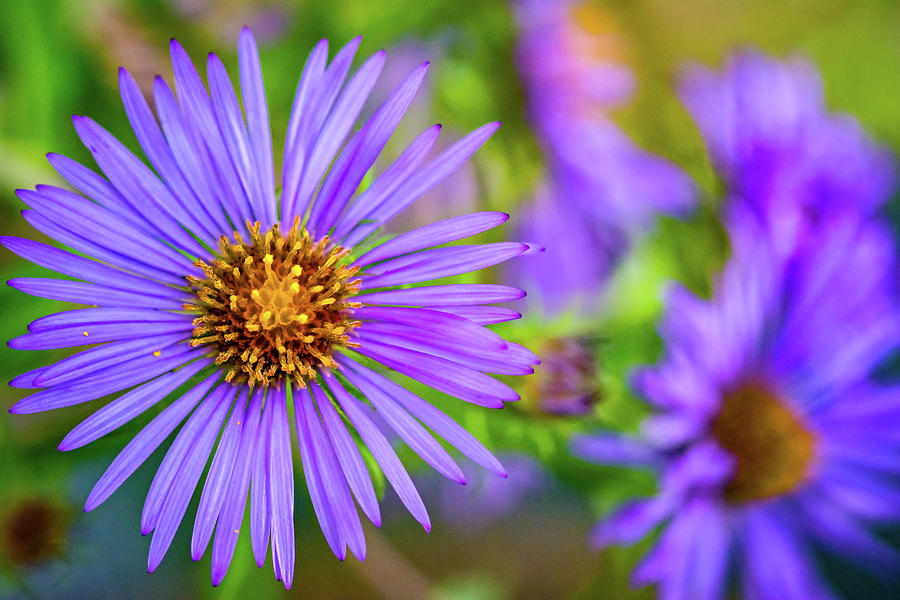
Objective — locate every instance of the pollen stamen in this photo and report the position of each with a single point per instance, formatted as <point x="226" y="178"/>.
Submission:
<point x="274" y="308"/>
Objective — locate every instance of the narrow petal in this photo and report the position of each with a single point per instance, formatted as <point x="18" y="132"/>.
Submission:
<point x="79" y="267"/>
<point x="351" y="461"/>
<point x="260" y="511"/>
<point x="199" y="424"/>
<point x="458" y="294"/>
<point x="228" y="525"/>
<point x="440" y="262"/>
<point x="254" y="94"/>
<point x="212" y="498"/>
<point x="382" y="451"/>
<point x="183" y="484"/>
<point x="384" y="185"/>
<point x="93" y="361"/>
<point x="361" y="152"/>
<point x="441" y="374"/>
<point x="433" y="322"/>
<point x="416" y="437"/>
<point x="94" y="316"/>
<point x="281" y="488"/>
<point x="81" y="335"/>
<point x="112" y="380"/>
<point x="154" y="145"/>
<point x="144" y="443"/>
<point x="333" y="480"/>
<point x="482" y="315"/>
<point x="129" y="405"/>
<point x="434" y="234"/>
<point x="364" y="379"/>
<point x="103" y="249"/>
<point x="298" y="150"/>
<point x="433" y="173"/>
<point x="337" y="125"/>
<point x="312" y="471"/>
<point x="146" y="193"/>
<point x="79" y="292"/>
<point x="507" y="361"/>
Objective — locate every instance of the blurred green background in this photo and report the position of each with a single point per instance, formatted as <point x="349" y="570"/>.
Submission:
<point x="60" y="58"/>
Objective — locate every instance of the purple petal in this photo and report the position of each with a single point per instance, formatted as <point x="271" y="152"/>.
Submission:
<point x="144" y="443"/>
<point x="83" y="268"/>
<point x="198" y="112"/>
<point x="228" y="525"/>
<point x="328" y="522"/>
<point x="212" y="498"/>
<point x="198" y="426"/>
<point x="365" y="379"/>
<point x="93" y="316"/>
<point x="112" y="380"/>
<point x="384" y="186"/>
<point x="260" y="510"/>
<point x="129" y="405"/>
<point x="309" y="124"/>
<point x="433" y="322"/>
<point x="360" y="154"/>
<point x="482" y="315"/>
<point x="93" y="361"/>
<point x="193" y="160"/>
<point x="102" y="249"/>
<point x="187" y="205"/>
<point x="433" y="173"/>
<point x="479" y="358"/>
<point x="441" y="374"/>
<point x="333" y="480"/>
<point x="434" y="234"/>
<point x="254" y="94"/>
<point x="456" y="294"/>
<point x="281" y="488"/>
<point x="65" y="337"/>
<point x="351" y="461"/>
<point x="336" y="127"/>
<point x="79" y="292"/>
<point x="416" y="437"/>
<point x="183" y="484"/>
<point x="614" y="449"/>
<point x="382" y="451"/>
<point x="148" y="196"/>
<point x="440" y="262"/>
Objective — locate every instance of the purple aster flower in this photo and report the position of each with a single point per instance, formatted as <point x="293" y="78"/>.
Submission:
<point x="770" y="136"/>
<point x="258" y="303"/>
<point x="600" y="190"/>
<point x="769" y="436"/>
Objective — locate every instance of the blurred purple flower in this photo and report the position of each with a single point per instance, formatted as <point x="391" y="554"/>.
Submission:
<point x="770" y="436"/>
<point x="600" y="189"/>
<point x="771" y="137"/>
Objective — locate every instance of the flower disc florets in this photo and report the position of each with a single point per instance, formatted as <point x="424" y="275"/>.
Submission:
<point x="274" y="308"/>
<point x="772" y="447"/>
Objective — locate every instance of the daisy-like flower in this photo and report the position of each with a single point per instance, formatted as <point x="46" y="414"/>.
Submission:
<point x="200" y="277"/>
<point x="771" y="437"/>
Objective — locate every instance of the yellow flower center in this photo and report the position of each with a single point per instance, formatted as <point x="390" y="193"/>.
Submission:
<point x="275" y="307"/>
<point x="773" y="448"/>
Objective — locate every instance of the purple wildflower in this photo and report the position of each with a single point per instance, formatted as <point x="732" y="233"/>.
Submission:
<point x="278" y="316"/>
<point x="601" y="190"/>
<point x="772" y="139"/>
<point x="770" y="436"/>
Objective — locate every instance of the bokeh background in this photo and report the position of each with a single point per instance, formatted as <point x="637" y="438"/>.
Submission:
<point x="524" y="537"/>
